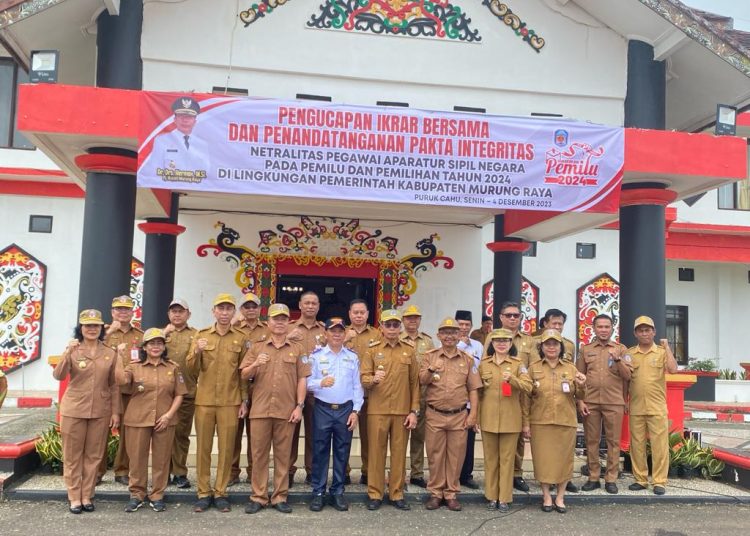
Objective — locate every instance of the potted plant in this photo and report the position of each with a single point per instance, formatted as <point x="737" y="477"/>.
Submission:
<point x="49" y="448"/>
<point x="688" y="459"/>
<point x="704" y="389"/>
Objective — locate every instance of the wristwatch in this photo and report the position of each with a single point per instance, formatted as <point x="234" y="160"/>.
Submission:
<point x="301" y="405"/>
<point x="415" y="412"/>
<point x="355" y="412"/>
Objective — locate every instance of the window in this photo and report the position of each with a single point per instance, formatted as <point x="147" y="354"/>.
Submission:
<point x="531" y="252"/>
<point x="686" y="274"/>
<point x="735" y="196"/>
<point x="40" y="224"/>
<point x="10" y="76"/>
<point x="585" y="251"/>
<point x="677" y="332"/>
<point x="392" y="103"/>
<point x="469" y="109"/>
<point x="307" y="96"/>
<point x="230" y="91"/>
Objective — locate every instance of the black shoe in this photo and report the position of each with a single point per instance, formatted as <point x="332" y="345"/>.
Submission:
<point x="491" y="505"/>
<point x="503" y="508"/>
<point x="75" y="509"/>
<point x="253" y="507"/>
<point x="362" y="480"/>
<point x="659" y="490"/>
<point x="158" y="506"/>
<point x="571" y="488"/>
<point x="561" y="509"/>
<point x="339" y="503"/>
<point x="202" y="504"/>
<point x="316" y="505"/>
<point x="308" y="479"/>
<point x="283" y="507"/>
<point x="181" y="482"/>
<point x="520" y="484"/>
<point x="88" y="507"/>
<point x="547" y="508"/>
<point x="401" y="504"/>
<point x="418" y="481"/>
<point x="610" y="487"/>
<point x="374" y="504"/>
<point x="124" y="480"/>
<point x="133" y="505"/>
<point x="636" y="487"/>
<point x="222" y="504"/>
<point x="347" y="480"/>
<point x="591" y="485"/>
<point x="470" y="483"/>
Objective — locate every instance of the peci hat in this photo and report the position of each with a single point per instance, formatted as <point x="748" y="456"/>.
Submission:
<point x="90" y="317"/>
<point x="151" y="334"/>
<point x="448" y="323"/>
<point x="644" y="320"/>
<point x="178" y="301"/>
<point x="412" y="310"/>
<point x="551" y="334"/>
<point x="390" y="314"/>
<point x="186" y="106"/>
<point x="123" y="301"/>
<point x="250" y="298"/>
<point x="278" y="309"/>
<point x="486" y="318"/>
<point x="224" y="298"/>
<point x="501" y="333"/>
<point x="463" y="315"/>
<point x="335" y="322"/>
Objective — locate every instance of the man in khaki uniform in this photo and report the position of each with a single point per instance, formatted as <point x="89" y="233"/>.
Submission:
<point x="555" y="319"/>
<point x="389" y="372"/>
<point x="118" y="332"/>
<point x="510" y="317"/>
<point x="255" y="330"/>
<point x="179" y="337"/>
<point x="607" y="368"/>
<point x="359" y="336"/>
<point x="480" y="334"/>
<point x="311" y="334"/>
<point x="412" y="318"/>
<point x="451" y="379"/>
<point x="220" y="399"/>
<point x="279" y="369"/>
<point x="648" y="405"/>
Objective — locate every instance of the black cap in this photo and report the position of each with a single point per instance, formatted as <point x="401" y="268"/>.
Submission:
<point x="486" y="318"/>
<point x="186" y="106"/>
<point x="463" y="315"/>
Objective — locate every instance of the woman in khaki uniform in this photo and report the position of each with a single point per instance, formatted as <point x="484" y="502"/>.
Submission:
<point x="505" y="384"/>
<point x="552" y="416"/>
<point x="157" y="388"/>
<point x="89" y="407"/>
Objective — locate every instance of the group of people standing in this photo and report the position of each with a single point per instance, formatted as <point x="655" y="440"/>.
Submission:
<point x="263" y="379"/>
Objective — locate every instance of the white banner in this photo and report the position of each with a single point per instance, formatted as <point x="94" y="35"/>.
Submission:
<point x="313" y="150"/>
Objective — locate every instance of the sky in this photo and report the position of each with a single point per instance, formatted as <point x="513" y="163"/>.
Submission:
<point x="737" y="9"/>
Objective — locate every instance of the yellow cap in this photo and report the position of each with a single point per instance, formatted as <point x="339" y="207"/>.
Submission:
<point x="123" y="301"/>
<point x="250" y="297"/>
<point x="390" y="314"/>
<point x="643" y="320"/>
<point x="501" y="333"/>
<point x="412" y="310"/>
<point x="448" y="323"/>
<point x="153" y="333"/>
<point x="551" y="334"/>
<point x="278" y="309"/>
<point x="90" y="316"/>
<point x="224" y="298"/>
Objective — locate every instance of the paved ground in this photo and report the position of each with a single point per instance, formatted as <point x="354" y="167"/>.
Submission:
<point x="659" y="520"/>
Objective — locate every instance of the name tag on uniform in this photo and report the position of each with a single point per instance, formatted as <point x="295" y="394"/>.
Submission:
<point x="565" y="387"/>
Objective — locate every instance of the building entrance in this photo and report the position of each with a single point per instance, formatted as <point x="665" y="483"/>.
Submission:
<point x="335" y="293"/>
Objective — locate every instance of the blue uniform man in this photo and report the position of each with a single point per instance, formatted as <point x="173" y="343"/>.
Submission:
<point x="338" y="393"/>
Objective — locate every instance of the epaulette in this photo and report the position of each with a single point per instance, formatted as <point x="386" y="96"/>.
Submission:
<point x="408" y="342"/>
<point x="373" y="343"/>
<point x="425" y="335"/>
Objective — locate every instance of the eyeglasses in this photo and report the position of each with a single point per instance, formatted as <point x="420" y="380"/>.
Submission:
<point x="392" y="324"/>
<point x="511" y="315"/>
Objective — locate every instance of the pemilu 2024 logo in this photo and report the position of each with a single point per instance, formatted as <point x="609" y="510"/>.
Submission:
<point x="576" y="165"/>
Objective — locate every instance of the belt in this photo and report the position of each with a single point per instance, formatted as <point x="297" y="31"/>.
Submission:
<point x="332" y="406"/>
<point x="446" y="411"/>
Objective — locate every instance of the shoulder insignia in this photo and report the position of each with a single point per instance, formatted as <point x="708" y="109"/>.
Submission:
<point x="425" y="335"/>
<point x="627" y="358"/>
<point x="408" y="342"/>
<point x="523" y="370"/>
<point x="373" y="343"/>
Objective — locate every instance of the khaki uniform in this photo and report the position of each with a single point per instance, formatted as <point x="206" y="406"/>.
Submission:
<point x="479" y="335"/>
<point x="606" y="392"/>
<point x="178" y="345"/>
<point x="154" y="388"/>
<point x="422" y="344"/>
<point x="256" y="333"/>
<point x="648" y="414"/>
<point x="447" y="381"/>
<point x="359" y="345"/>
<point x="390" y="402"/>
<point x="553" y="420"/>
<point x="313" y="337"/>
<point x="132" y="338"/>
<point x="274" y="400"/>
<point x="87" y="406"/>
<point x="217" y="400"/>
<point x="501" y="419"/>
